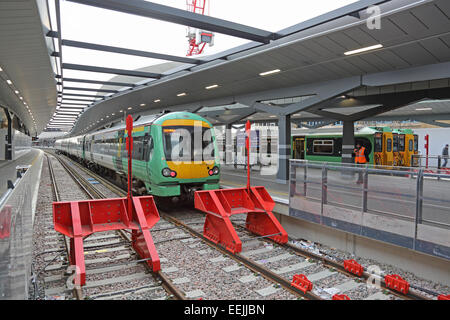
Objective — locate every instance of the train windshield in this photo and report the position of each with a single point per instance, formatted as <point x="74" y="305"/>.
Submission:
<point x="188" y="143"/>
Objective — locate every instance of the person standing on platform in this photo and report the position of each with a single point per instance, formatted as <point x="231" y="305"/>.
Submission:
<point x="445" y="155"/>
<point x="360" y="158"/>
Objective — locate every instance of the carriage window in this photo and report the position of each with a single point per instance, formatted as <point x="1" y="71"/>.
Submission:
<point x="389" y="145"/>
<point x="395" y="145"/>
<point x="401" y="143"/>
<point x="323" y="146"/>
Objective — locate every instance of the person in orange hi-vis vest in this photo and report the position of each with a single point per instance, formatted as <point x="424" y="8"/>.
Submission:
<point x="360" y="158"/>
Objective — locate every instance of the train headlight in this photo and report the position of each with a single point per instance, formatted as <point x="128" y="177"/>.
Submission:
<point x="166" y="172"/>
<point x="215" y="170"/>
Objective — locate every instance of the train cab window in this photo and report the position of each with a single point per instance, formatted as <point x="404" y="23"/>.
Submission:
<point x="410" y="146"/>
<point x="389" y="145"/>
<point x="378" y="143"/>
<point x="416" y="143"/>
<point x="323" y="146"/>
<point x="401" y="142"/>
<point x="151" y="148"/>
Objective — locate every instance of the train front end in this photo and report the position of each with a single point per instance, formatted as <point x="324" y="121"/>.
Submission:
<point x="189" y="158"/>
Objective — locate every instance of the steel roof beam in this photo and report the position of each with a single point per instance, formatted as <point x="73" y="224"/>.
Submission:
<point x="122" y="72"/>
<point x="352" y="9"/>
<point x="109" y="83"/>
<point x="84" y="100"/>
<point x="82" y="95"/>
<point x="90" y="89"/>
<point x="183" y="17"/>
<point x="75" y="104"/>
<point x="146" y="54"/>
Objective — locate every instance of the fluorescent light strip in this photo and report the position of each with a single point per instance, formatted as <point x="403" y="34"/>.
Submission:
<point x="377" y="46"/>
<point x="424" y="109"/>
<point x="212" y="87"/>
<point x="181" y="94"/>
<point x="269" y="72"/>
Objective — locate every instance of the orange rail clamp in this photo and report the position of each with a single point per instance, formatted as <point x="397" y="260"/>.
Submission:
<point x="395" y="282"/>
<point x="340" y="297"/>
<point x="79" y="219"/>
<point x="444" y="297"/>
<point x="220" y="205"/>
<point x="301" y="282"/>
<point x="353" y="267"/>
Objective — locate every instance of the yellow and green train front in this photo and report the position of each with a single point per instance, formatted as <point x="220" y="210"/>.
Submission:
<point x="185" y="156"/>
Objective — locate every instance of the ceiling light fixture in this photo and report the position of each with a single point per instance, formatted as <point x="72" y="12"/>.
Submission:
<point x="424" y="109"/>
<point x="212" y="87"/>
<point x="377" y="46"/>
<point x="157" y="100"/>
<point x="269" y="72"/>
<point x="181" y="94"/>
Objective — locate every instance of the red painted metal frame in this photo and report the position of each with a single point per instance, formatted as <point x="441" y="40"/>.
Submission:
<point x="301" y="282"/>
<point x="256" y="202"/>
<point x="340" y="297"/>
<point x="444" y="297"/>
<point x="220" y="205"/>
<point x="353" y="267"/>
<point x="196" y="6"/>
<point x="5" y="222"/>
<point x="395" y="282"/>
<point x="79" y="219"/>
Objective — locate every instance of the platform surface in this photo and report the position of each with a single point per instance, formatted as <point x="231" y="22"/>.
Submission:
<point x="8" y="168"/>
<point x="398" y="193"/>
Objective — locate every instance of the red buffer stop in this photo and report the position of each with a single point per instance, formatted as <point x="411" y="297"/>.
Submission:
<point x="79" y="219"/>
<point x="220" y="205"/>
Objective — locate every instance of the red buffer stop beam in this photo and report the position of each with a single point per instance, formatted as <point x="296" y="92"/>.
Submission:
<point x="220" y="205"/>
<point x="79" y="219"/>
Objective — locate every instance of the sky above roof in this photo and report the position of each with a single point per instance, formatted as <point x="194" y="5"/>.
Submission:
<point x="90" y="24"/>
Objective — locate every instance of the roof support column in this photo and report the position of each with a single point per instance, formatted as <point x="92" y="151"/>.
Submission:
<point x="348" y="141"/>
<point x="228" y="144"/>
<point x="284" y="148"/>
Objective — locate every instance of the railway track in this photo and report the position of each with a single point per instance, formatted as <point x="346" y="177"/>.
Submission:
<point x="114" y="270"/>
<point x="276" y="263"/>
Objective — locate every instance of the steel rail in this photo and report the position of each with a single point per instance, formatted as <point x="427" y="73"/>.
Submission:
<point x="266" y="273"/>
<point x="76" y="291"/>
<point x="166" y="283"/>
<point x="411" y="295"/>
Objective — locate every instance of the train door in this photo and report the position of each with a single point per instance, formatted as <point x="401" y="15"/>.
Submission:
<point x="395" y="151"/>
<point x="410" y="149"/>
<point x="403" y="157"/>
<point x="378" y="149"/>
<point x="83" y="146"/>
<point x="298" y="147"/>
<point x="388" y="152"/>
<point x="120" y="150"/>
<point x="415" y="162"/>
